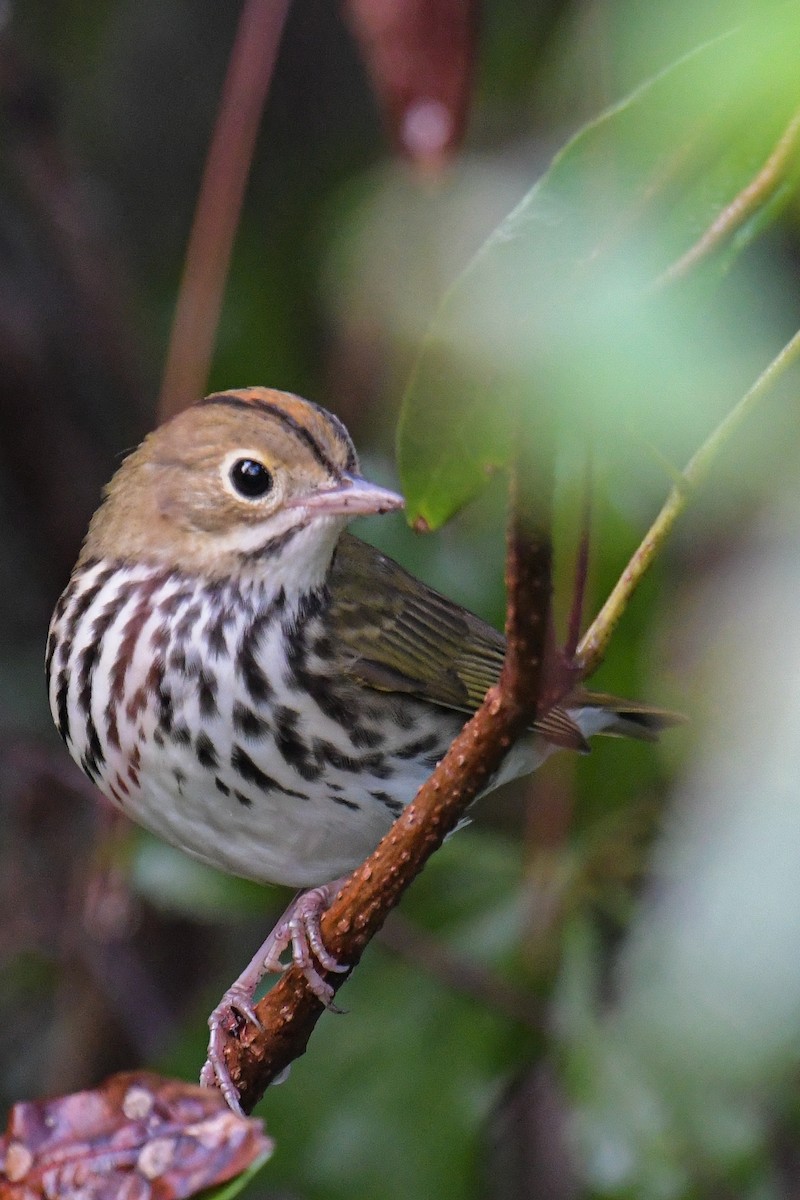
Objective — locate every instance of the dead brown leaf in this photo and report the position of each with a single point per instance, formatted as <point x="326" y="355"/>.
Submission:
<point x="136" y="1137"/>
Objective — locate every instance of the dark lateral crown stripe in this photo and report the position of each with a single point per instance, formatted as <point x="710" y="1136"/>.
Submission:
<point x="231" y="400"/>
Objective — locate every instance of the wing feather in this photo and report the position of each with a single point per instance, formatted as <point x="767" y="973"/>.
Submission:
<point x="394" y="633"/>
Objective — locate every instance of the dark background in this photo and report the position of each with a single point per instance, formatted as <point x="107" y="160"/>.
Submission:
<point x="446" y="1078"/>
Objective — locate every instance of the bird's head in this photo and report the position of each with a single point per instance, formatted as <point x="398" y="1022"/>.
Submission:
<point x="252" y="479"/>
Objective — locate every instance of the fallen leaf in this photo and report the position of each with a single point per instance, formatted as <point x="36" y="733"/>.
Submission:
<point x="136" y="1137"/>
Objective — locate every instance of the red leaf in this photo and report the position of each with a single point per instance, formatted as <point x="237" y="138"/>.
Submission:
<point x="420" y="56"/>
<point x="136" y="1137"/>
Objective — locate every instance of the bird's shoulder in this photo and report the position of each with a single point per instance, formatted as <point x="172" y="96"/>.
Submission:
<point x="394" y="633"/>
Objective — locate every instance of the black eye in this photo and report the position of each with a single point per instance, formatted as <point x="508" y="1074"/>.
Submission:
<point x="250" y="478"/>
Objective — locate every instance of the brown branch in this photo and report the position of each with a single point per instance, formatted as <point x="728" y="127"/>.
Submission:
<point x="219" y="204"/>
<point x="289" y="1012"/>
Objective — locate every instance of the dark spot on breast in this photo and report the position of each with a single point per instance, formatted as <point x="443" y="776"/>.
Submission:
<point x="207" y="693"/>
<point x="243" y="764"/>
<point x="215" y="633"/>
<point x="183" y="627"/>
<point x="62" y="708"/>
<point x="62" y="637"/>
<point x="363" y="736"/>
<point x="94" y="758"/>
<point x="395" y="807"/>
<point x="52" y="642"/>
<point x="404" y="715"/>
<point x="87" y="662"/>
<point x="420" y="747"/>
<point x="377" y="764"/>
<point x="294" y="749"/>
<point x="89" y="767"/>
<point x="248" y="722"/>
<point x="204" y="749"/>
<point x="344" y="802"/>
<point x="248" y="666"/>
<point x="311" y="605"/>
<point x="164" y="698"/>
<point x="177" y="661"/>
<point x="323" y="646"/>
<point x="337" y="702"/>
<point x="159" y="638"/>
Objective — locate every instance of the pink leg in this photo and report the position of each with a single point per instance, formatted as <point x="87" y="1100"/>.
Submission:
<point x="298" y="928"/>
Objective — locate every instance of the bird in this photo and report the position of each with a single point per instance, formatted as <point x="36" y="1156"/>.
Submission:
<point x="242" y="676"/>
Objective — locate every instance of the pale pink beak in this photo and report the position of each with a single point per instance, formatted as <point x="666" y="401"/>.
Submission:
<point x="353" y="497"/>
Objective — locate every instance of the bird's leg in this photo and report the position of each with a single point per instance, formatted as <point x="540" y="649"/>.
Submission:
<point x="299" y="928"/>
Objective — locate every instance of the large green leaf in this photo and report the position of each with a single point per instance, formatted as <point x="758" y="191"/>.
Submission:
<point x="563" y="300"/>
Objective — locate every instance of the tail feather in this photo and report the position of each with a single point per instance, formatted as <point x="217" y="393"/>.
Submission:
<point x="627" y="718"/>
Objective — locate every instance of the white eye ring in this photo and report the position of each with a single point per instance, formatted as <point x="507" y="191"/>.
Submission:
<point x="246" y="477"/>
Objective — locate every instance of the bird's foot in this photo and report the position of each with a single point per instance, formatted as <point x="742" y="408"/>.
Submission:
<point x="235" y="1006"/>
<point x="298" y="928"/>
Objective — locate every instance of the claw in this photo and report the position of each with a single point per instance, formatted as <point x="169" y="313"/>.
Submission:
<point x="215" y="1071"/>
<point x="299" y="927"/>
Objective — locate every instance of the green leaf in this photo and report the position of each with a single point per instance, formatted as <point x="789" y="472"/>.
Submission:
<point x="234" y="1186"/>
<point x="176" y="884"/>
<point x="562" y="304"/>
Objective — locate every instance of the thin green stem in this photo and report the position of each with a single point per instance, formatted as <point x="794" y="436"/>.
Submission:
<point x="594" y="643"/>
<point x="752" y="197"/>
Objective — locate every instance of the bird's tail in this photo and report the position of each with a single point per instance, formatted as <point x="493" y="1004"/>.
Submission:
<point x="623" y="718"/>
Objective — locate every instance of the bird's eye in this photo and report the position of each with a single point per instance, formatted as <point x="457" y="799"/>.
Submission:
<point x="250" y="478"/>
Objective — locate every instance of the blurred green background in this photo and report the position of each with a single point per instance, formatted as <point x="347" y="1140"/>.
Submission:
<point x="594" y="990"/>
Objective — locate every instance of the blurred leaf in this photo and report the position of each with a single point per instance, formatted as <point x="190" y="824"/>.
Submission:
<point x="559" y="303"/>
<point x="137" y="1134"/>
<point x="177" y="884"/>
<point x="681" y="1077"/>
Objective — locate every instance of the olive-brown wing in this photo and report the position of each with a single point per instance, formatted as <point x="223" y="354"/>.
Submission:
<point x="394" y="633"/>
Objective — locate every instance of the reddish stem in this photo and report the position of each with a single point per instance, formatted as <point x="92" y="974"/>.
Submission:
<point x="219" y="204"/>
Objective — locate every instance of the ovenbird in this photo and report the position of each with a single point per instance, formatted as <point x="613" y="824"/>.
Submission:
<point x="247" y="680"/>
